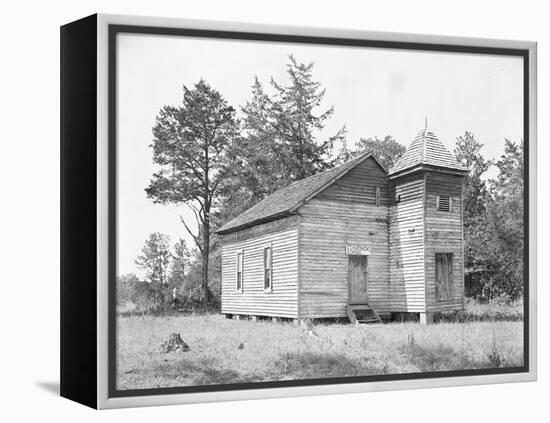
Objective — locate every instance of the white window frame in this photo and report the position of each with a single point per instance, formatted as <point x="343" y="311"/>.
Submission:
<point x="266" y="247"/>
<point x="237" y="253"/>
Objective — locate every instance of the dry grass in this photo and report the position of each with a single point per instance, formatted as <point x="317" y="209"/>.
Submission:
<point x="490" y="312"/>
<point x="284" y="351"/>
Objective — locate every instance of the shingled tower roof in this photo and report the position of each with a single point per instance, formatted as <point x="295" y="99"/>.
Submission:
<point x="426" y="151"/>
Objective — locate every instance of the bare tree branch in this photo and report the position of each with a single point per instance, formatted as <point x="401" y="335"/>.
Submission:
<point x="198" y="213"/>
<point x="195" y="237"/>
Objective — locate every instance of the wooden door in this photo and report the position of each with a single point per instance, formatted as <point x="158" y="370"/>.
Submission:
<point x="357" y="279"/>
<point x="443" y="276"/>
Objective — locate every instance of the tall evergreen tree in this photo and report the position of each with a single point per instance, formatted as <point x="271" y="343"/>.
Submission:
<point x="282" y="140"/>
<point x="295" y="110"/>
<point x="193" y="146"/>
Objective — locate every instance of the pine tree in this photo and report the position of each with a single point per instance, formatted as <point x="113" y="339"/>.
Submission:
<point x="282" y="139"/>
<point x="295" y="108"/>
<point x="193" y="145"/>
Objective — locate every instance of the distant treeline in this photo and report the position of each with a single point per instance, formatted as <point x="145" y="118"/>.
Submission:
<point x="219" y="161"/>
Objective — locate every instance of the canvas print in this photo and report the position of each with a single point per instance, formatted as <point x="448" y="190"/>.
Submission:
<point x="299" y="211"/>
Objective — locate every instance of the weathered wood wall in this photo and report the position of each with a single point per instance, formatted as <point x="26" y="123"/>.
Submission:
<point x="444" y="234"/>
<point x="406" y="245"/>
<point x="282" y="301"/>
<point x="310" y="264"/>
<point x="344" y="213"/>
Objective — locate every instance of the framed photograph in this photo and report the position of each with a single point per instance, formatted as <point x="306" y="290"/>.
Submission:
<point x="254" y="211"/>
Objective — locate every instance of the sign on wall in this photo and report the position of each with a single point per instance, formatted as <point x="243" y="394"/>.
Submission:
<point x="357" y="250"/>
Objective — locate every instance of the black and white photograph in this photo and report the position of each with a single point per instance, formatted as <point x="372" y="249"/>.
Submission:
<point x="243" y="212"/>
<point x="292" y="211"/>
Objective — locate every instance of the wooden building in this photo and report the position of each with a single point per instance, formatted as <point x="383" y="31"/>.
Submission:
<point x="357" y="240"/>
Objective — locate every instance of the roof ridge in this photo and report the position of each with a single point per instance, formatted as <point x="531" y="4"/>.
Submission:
<point x="322" y="172"/>
<point x="284" y="201"/>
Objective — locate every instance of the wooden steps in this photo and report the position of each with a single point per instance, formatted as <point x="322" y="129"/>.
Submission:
<point x="362" y="314"/>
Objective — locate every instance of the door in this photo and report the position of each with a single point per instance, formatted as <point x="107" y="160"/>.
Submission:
<point x="357" y="279"/>
<point x="443" y="276"/>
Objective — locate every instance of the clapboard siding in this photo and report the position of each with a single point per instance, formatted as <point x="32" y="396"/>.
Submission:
<point x="310" y="265"/>
<point x="359" y="186"/>
<point x="282" y="301"/>
<point x="263" y="229"/>
<point x="344" y="213"/>
<point x="406" y="246"/>
<point x="444" y="235"/>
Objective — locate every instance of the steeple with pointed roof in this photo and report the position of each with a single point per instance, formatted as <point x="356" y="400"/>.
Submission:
<point x="426" y="152"/>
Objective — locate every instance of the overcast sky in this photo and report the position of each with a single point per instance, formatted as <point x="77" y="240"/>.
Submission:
<point x="375" y="92"/>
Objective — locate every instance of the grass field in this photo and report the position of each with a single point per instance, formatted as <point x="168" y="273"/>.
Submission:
<point x="230" y="351"/>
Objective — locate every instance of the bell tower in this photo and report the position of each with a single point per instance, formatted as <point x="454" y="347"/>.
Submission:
<point x="426" y="229"/>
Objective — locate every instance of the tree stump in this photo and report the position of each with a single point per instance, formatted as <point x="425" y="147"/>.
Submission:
<point x="174" y="343"/>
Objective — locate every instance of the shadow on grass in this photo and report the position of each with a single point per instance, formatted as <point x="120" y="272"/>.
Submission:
<point x="289" y="366"/>
<point x="442" y="357"/>
<point x="206" y="372"/>
<point x="309" y="365"/>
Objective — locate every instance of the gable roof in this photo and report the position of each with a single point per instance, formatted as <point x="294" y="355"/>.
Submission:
<point x="286" y="200"/>
<point x="426" y="149"/>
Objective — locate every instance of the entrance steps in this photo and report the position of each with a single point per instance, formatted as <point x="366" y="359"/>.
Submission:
<point x="362" y="313"/>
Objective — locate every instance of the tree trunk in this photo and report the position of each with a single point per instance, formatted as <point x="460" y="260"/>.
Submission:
<point x="205" y="258"/>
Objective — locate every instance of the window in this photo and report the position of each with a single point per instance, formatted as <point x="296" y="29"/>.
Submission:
<point x="377" y="196"/>
<point x="443" y="276"/>
<point x="239" y="271"/>
<point x="444" y="203"/>
<point x="268" y="271"/>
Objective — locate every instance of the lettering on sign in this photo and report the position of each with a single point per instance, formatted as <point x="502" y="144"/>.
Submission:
<point x="357" y="250"/>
